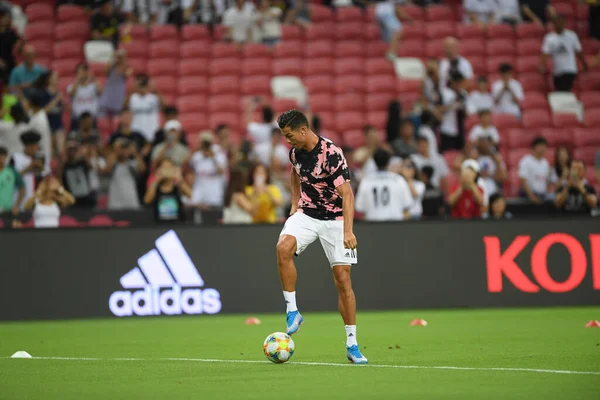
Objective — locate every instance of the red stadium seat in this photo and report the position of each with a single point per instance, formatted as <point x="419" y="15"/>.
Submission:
<point x="592" y="80"/>
<point x="66" y="67"/>
<point x="529" y="31"/>
<point x="291" y="49"/>
<point x="333" y="136"/>
<point x="166" y="85"/>
<point x="505" y="121"/>
<point x="478" y="64"/>
<point x="351" y="30"/>
<point x="592" y="117"/>
<point x="416" y="30"/>
<point x="192" y="104"/>
<point x="349" y="84"/>
<point x="191" y="32"/>
<point x="291" y="32"/>
<point x="474" y="31"/>
<point x="288" y="66"/>
<point x="536" y="119"/>
<point x="318" y="66"/>
<point x="349" y="102"/>
<point x="493" y="63"/>
<point x="528" y="64"/>
<point x="585" y="154"/>
<point x="533" y="82"/>
<point x="590" y="46"/>
<point x="136" y="49"/>
<point x="224" y="103"/>
<point x="321" y="48"/>
<point x="411" y="48"/>
<point x="378" y="101"/>
<point x="408" y="100"/>
<point x="534" y="101"/>
<point x="224" y="66"/>
<point x="318" y="84"/>
<point x="230" y="118"/>
<point x="319" y="13"/>
<point x="414" y="12"/>
<point x="347" y="66"/>
<point x="40" y="12"/>
<point x="164" y="49"/>
<point x="373" y="33"/>
<point x="139" y="65"/>
<point x="224" y="85"/>
<point x="439" y="30"/>
<point x="256" y="86"/>
<point x="528" y="47"/>
<point x="78" y="30"/>
<point x="516" y="154"/>
<point x="163" y="32"/>
<point x="434" y="49"/>
<point x="195" y="49"/>
<point x="193" y="67"/>
<point x="68" y="49"/>
<point x="43" y="49"/>
<point x="377" y="119"/>
<point x="590" y="99"/>
<point x="321" y="102"/>
<point x="138" y="32"/>
<point x="256" y="50"/>
<point x="500" y="31"/>
<point x="354" y="138"/>
<point x="194" y="122"/>
<point x="69" y="13"/>
<point x="439" y="13"/>
<point x="349" y="48"/>
<point x="377" y="49"/>
<point x="472" y="47"/>
<point x="558" y="137"/>
<point x="586" y="137"/>
<point x="282" y="105"/>
<point x="219" y="50"/>
<point x="319" y="31"/>
<point x="349" y="14"/>
<point x="500" y="47"/>
<point x="257" y="66"/>
<point x="562" y="120"/>
<point x="100" y="220"/>
<point x="192" y="85"/>
<point x="162" y="67"/>
<point x="404" y="86"/>
<point x="566" y="9"/>
<point x="380" y="84"/>
<point x="39" y="30"/>
<point x="378" y="66"/>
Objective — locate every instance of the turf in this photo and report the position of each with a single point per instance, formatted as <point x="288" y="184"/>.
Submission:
<point x="554" y="339"/>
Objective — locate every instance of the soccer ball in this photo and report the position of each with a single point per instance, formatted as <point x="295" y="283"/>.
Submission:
<point x="279" y="347"/>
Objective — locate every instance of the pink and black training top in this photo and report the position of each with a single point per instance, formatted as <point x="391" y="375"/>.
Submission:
<point x="321" y="171"/>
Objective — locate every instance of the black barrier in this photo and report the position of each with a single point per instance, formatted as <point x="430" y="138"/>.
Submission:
<point x="204" y="270"/>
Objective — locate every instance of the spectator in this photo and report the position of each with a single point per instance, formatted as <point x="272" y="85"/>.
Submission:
<point x="466" y="198"/>
<point x="141" y="11"/>
<point x="406" y="144"/>
<point x="453" y="114"/>
<point x="480" y="98"/>
<point x="84" y="94"/>
<point x="49" y="197"/>
<point x="145" y="106"/>
<point x="364" y="154"/>
<point x="96" y="163"/>
<point x="272" y="153"/>
<point x="269" y="23"/>
<point x="453" y="63"/>
<point x="239" y="20"/>
<point x="12" y="189"/>
<point x="480" y="12"/>
<point x="38" y="122"/>
<point x="299" y="13"/>
<point x="564" y="47"/>
<point x="75" y="175"/>
<point x="25" y="73"/>
<point x="576" y="196"/>
<point x="560" y="171"/>
<point x="594" y="18"/>
<point x="388" y="14"/>
<point x="114" y="94"/>
<point x="534" y="172"/>
<point x="171" y="113"/>
<point x="264" y="196"/>
<point x="507" y="92"/>
<point x="85" y="129"/>
<point x="485" y="129"/>
<point x="8" y="100"/>
<point x="10" y="132"/>
<point x="238" y="207"/>
<point x="492" y="169"/>
<point x="52" y="100"/>
<point x="105" y="23"/>
<point x="433" y="198"/>
<point x="10" y="44"/>
<point x="439" y="176"/>
<point x="210" y="166"/>
<point x="430" y="87"/>
<point x="537" y="11"/>
<point x="394" y="118"/>
<point x="166" y="193"/>
<point x="260" y="132"/>
<point x="508" y="12"/>
<point x="123" y="166"/>
<point x="498" y="208"/>
<point x="125" y="131"/>
<point x="222" y="133"/>
<point x="416" y="187"/>
<point x="428" y="121"/>
<point x="172" y="12"/>
<point x="171" y="149"/>
<point x="383" y="195"/>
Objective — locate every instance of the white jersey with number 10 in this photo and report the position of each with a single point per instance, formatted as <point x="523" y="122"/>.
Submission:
<point x="383" y="196"/>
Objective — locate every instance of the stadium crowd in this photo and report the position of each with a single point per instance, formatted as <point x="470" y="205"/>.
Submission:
<point x="111" y="136"/>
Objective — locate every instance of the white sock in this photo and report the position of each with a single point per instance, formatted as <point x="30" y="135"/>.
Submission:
<point x="290" y="300"/>
<point x="351" y="335"/>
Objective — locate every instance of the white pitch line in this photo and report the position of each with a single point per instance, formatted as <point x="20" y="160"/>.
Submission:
<point x="324" y="364"/>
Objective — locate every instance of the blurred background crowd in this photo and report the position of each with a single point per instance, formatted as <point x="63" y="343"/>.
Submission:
<point x="485" y="108"/>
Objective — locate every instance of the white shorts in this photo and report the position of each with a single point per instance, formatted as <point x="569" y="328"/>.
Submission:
<point x="331" y="234"/>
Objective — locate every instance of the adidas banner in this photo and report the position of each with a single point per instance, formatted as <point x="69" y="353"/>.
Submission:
<point x="138" y="272"/>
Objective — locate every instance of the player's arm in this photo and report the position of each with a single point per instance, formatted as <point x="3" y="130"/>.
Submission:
<point x="295" y="184"/>
<point x="345" y="192"/>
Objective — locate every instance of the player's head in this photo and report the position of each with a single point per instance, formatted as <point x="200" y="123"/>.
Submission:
<point x="382" y="159"/>
<point x="539" y="146"/>
<point x="294" y="126"/>
<point x="485" y="117"/>
<point x="559" y="22"/>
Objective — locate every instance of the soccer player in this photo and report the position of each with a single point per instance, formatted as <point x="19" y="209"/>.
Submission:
<point x="323" y="208"/>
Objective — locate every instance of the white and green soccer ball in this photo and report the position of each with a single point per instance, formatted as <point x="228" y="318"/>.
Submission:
<point x="279" y="347"/>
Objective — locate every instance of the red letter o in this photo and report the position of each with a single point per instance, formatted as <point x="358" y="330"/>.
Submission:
<point x="539" y="262"/>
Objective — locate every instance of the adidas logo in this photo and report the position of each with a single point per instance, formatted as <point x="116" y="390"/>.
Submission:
<point x="351" y="335"/>
<point x="347" y="254"/>
<point x="168" y="283"/>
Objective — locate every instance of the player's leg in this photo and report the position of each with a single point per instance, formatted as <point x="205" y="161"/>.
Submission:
<point x="296" y="235"/>
<point x="346" y="298"/>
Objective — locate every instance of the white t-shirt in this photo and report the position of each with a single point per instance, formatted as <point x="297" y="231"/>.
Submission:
<point x="487" y="163"/>
<point x="39" y="123"/>
<point x="416" y="210"/>
<point x="484" y="9"/>
<point x="85" y="98"/>
<point x="260" y="132"/>
<point x="478" y="101"/>
<point x="383" y="196"/>
<point x="385" y="8"/>
<point x="145" y="112"/>
<point x="263" y="153"/>
<point x="46" y="216"/>
<point x="479" y="131"/>
<point x="464" y="67"/>
<point x="20" y="162"/>
<point x="562" y="48"/>
<point x="209" y="186"/>
<point x="505" y="104"/>
<point x="449" y="126"/>
<point x="509" y="9"/>
<point x="240" y="22"/>
<point x="428" y="133"/>
<point x="535" y="172"/>
<point x="437" y="162"/>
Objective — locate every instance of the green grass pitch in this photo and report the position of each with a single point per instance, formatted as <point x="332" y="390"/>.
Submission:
<point x="548" y="339"/>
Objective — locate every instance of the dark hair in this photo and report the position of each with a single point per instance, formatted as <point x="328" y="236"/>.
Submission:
<point x="170" y="110"/>
<point x="253" y="170"/>
<point x="85" y="114"/>
<point x="494" y="198"/>
<point x="237" y="184"/>
<point x="142" y="79"/>
<point x="3" y="151"/>
<point x="482" y="78"/>
<point x="427" y="118"/>
<point x="539" y="140"/>
<point x="504" y="68"/>
<point x="275" y="132"/>
<point x="392" y="127"/>
<point x="382" y="159"/>
<point x="18" y="113"/>
<point x="42" y="81"/>
<point x="557" y="167"/>
<point x="82" y="64"/>
<point x="220" y="127"/>
<point x="421" y="138"/>
<point x="295" y="119"/>
<point x="35" y="99"/>
<point x="456" y="76"/>
<point x="316" y="124"/>
<point x="483" y="112"/>
<point x="30" y="137"/>
<point x="427" y="171"/>
<point x="267" y="113"/>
